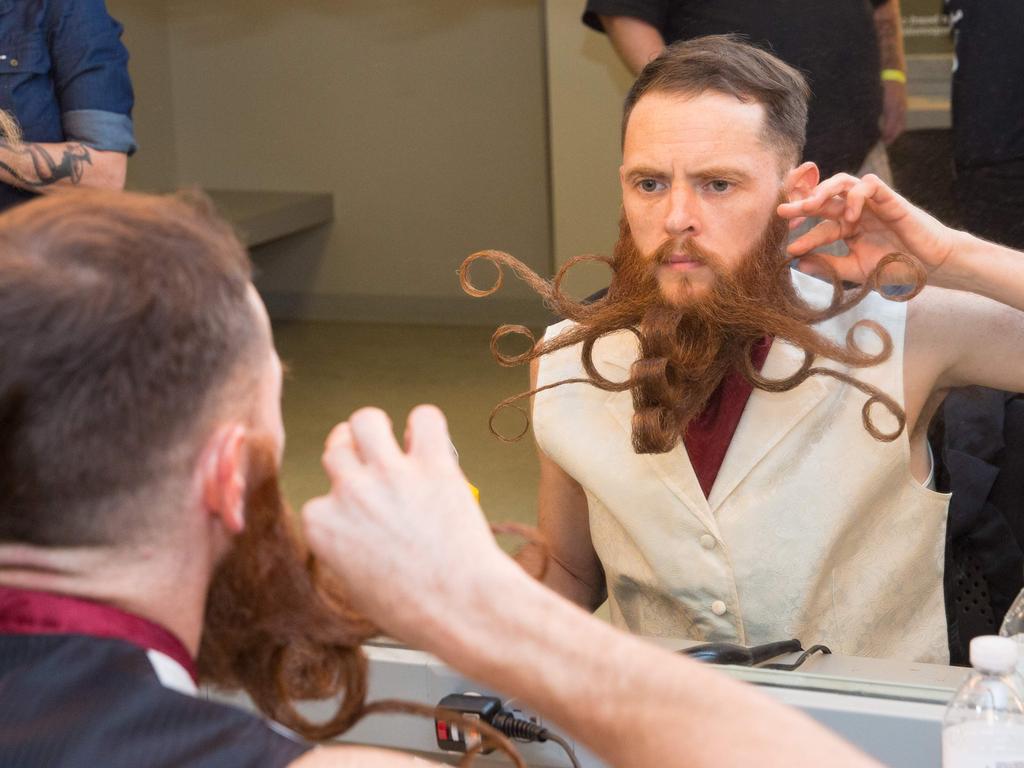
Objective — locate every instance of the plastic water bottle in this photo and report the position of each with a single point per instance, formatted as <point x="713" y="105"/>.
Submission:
<point x="984" y="723"/>
<point x="1013" y="628"/>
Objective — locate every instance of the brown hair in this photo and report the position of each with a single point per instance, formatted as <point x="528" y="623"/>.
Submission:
<point x="729" y="65"/>
<point x="123" y="317"/>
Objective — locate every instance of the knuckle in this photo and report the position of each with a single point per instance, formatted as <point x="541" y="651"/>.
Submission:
<point x="358" y="490"/>
<point x="332" y="463"/>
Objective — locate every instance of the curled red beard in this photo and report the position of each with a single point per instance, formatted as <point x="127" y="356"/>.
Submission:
<point x="688" y="346"/>
<point x="275" y="625"/>
<point x="692" y="337"/>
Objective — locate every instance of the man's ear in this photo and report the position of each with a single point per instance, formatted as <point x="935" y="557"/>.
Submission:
<point x="801" y="181"/>
<point x="223" y="476"/>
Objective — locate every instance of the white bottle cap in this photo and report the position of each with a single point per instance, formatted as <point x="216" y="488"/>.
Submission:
<point x="991" y="653"/>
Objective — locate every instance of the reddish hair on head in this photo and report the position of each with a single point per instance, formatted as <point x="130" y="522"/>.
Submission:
<point x="123" y="317"/>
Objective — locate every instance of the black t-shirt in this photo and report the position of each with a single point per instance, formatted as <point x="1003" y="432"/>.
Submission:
<point x="832" y="42"/>
<point x="988" y="83"/>
<point x="73" y="701"/>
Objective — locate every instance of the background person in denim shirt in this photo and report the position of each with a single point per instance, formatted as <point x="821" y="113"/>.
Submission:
<point x="64" y="78"/>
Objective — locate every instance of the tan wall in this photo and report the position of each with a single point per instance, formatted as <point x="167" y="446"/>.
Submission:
<point x="426" y="121"/>
<point x="586" y="86"/>
<point x="145" y="22"/>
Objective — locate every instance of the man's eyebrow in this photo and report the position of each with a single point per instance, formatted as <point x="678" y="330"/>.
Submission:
<point x="722" y="172"/>
<point x="734" y="172"/>
<point x="640" y="171"/>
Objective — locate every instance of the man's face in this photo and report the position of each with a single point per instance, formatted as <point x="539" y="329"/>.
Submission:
<point x="698" y="183"/>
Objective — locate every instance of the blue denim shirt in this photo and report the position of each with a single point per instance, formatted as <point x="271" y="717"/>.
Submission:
<point x="64" y="75"/>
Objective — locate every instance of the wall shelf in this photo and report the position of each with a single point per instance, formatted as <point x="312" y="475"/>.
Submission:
<point x="262" y="217"/>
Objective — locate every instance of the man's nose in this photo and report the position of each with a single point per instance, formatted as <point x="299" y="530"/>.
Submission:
<point x="682" y="215"/>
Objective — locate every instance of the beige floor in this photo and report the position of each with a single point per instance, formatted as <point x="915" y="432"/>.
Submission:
<point x="336" y="368"/>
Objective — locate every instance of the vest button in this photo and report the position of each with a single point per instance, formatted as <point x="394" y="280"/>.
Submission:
<point x="718" y="608"/>
<point x="707" y="541"/>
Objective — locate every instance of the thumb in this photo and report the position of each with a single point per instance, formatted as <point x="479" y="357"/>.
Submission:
<point x="319" y="523"/>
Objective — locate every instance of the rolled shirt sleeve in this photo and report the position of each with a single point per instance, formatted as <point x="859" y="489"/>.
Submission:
<point x="90" y="76"/>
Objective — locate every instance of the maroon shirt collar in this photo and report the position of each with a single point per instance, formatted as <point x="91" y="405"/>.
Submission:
<point x="709" y="435"/>
<point x="27" y="612"/>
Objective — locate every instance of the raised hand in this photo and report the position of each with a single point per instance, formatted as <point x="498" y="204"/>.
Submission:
<point x="400" y="527"/>
<point x="873" y="221"/>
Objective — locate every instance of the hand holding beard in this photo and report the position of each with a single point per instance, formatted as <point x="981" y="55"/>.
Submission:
<point x="401" y="527"/>
<point x="275" y="624"/>
<point x="284" y="628"/>
<point x="872" y="220"/>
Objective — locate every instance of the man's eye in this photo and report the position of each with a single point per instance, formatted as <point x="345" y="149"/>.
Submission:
<point x="649" y="185"/>
<point x="719" y="185"/>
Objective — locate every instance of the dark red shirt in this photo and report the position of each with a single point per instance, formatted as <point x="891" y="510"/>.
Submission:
<point x="26" y="612"/>
<point x="708" y="436"/>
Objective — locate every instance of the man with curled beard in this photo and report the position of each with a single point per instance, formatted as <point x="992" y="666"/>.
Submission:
<point x="741" y="455"/>
<point x="145" y="547"/>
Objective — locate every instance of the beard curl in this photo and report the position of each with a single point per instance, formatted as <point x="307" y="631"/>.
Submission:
<point x="278" y="626"/>
<point x="687" y="350"/>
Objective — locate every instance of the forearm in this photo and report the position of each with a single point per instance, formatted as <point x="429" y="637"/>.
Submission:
<point x="636" y="41"/>
<point x="587" y="595"/>
<point x="356" y="757"/>
<point x="984" y="268"/>
<point x="43" y="167"/>
<point x="889" y="30"/>
<point x="630" y="702"/>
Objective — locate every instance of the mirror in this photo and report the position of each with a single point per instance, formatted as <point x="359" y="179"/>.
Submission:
<point x="409" y="135"/>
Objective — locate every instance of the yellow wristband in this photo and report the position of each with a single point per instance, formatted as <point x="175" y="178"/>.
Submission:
<point x="894" y="75"/>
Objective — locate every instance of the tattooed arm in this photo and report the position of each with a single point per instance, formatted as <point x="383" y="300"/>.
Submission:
<point x="889" y="30"/>
<point x="43" y="168"/>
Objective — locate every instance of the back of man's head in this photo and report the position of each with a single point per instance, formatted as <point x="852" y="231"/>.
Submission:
<point x="729" y="65"/>
<point x="126" y="327"/>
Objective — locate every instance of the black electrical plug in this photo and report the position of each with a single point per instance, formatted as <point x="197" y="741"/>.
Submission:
<point x="453" y="737"/>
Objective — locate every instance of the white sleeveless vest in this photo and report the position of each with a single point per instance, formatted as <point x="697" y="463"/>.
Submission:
<point x="813" y="530"/>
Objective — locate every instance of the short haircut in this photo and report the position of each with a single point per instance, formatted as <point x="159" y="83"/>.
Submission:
<point x="124" y="321"/>
<point x="727" y="64"/>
